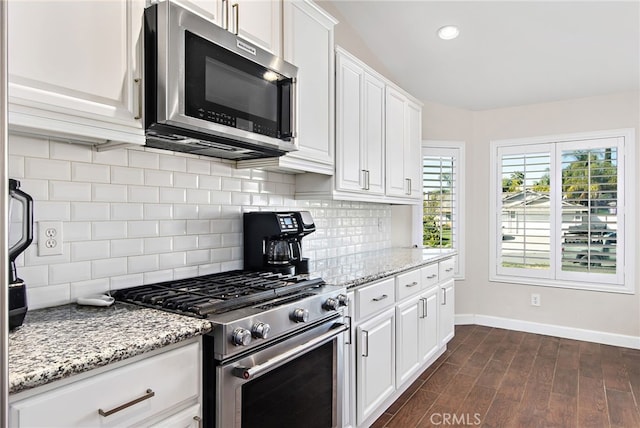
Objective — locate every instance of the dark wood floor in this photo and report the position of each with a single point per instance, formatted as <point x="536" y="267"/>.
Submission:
<point x="491" y="377"/>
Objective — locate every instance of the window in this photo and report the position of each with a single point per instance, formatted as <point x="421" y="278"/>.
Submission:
<point x="443" y="189"/>
<point x="560" y="215"/>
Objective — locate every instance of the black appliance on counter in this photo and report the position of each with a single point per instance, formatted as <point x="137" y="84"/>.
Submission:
<point x="273" y="241"/>
<point x="17" y="288"/>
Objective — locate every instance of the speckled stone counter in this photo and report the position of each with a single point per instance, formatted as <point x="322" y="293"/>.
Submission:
<point x="360" y="268"/>
<point x="58" y="342"/>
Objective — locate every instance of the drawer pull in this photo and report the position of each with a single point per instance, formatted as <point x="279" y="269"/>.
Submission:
<point x="377" y="299"/>
<point x="413" y="284"/>
<point x="146" y="396"/>
<point x="448" y="269"/>
<point x="433" y="275"/>
<point x="198" y="419"/>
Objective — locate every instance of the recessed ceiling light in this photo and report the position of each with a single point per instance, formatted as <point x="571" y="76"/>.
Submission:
<point x="448" y="32"/>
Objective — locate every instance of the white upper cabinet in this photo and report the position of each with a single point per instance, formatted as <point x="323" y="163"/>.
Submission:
<point x="258" y="21"/>
<point x="360" y="127"/>
<point x="75" y="69"/>
<point x="210" y="9"/>
<point x="308" y="44"/>
<point x="403" y="136"/>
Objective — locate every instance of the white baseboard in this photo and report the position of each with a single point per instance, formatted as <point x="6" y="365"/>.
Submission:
<point x="551" y="330"/>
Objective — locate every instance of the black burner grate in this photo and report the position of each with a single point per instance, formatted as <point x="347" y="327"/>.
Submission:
<point x="216" y="293"/>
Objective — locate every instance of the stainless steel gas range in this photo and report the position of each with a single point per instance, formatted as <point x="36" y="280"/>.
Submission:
<point x="274" y="356"/>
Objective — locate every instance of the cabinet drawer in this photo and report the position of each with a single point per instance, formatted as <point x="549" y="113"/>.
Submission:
<point x="446" y="269"/>
<point x="430" y="275"/>
<point x="150" y="386"/>
<point x="407" y="284"/>
<point x="375" y="297"/>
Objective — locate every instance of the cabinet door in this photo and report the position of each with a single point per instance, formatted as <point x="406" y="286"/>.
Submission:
<point x="188" y="418"/>
<point x="429" y="340"/>
<point x="447" y="313"/>
<point x="408" y="358"/>
<point x="258" y="21"/>
<point x="74" y="69"/>
<point x="396" y="183"/>
<point x="373" y="130"/>
<point x="210" y="9"/>
<point x="308" y="43"/>
<point x="349" y="84"/>
<point x="413" y="150"/>
<point x="375" y="363"/>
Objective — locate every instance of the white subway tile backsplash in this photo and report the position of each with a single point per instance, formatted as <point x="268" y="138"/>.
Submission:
<point x="16" y="166"/>
<point x="134" y="216"/>
<point x="70" y="152"/>
<point x="123" y="175"/>
<point x="127" y="247"/>
<point x="143" y="194"/>
<point x="89" y="250"/>
<point x="47" y="169"/>
<point x="139" y="264"/>
<point x="88" y="288"/>
<point x="131" y="211"/>
<point x="143" y="228"/>
<point x="153" y="177"/>
<point x="90" y="173"/>
<point x="91" y="211"/>
<point x="158" y="211"/>
<point x="144" y="159"/>
<point x="111" y="157"/>
<point x="69" y="272"/>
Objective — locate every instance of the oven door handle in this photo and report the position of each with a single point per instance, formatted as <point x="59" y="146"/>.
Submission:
<point x="247" y="373"/>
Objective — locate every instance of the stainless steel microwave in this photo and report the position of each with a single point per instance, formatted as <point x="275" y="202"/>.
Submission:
<point x="208" y="92"/>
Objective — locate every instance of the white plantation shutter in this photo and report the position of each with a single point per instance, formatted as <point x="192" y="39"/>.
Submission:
<point x="560" y="212"/>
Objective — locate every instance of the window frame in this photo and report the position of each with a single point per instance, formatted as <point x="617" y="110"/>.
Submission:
<point x="624" y="281"/>
<point x="455" y="149"/>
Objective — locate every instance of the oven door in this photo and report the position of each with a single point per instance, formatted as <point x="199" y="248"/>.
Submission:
<point x="296" y="382"/>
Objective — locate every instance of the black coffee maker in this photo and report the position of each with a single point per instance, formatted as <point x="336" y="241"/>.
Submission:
<point x="273" y="241"/>
<point x="21" y="221"/>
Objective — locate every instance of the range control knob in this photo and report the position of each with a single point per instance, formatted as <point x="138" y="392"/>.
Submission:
<point x="343" y="299"/>
<point x="241" y="337"/>
<point x="331" y="304"/>
<point x="300" y="315"/>
<point x="260" y="330"/>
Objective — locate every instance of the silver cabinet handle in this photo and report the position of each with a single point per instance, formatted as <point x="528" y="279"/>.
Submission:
<point x="433" y="275"/>
<point x="225" y="11"/>
<point x="413" y="284"/>
<point x="247" y="373"/>
<point x="138" y="82"/>
<point x="368" y="177"/>
<point x="423" y="303"/>
<point x="364" y="179"/>
<point x="347" y="322"/>
<point x="408" y="181"/>
<point x="366" y="336"/>
<point x="377" y="299"/>
<point x="198" y="419"/>
<point x="146" y="396"/>
<point x="236" y="12"/>
<point x="444" y="300"/>
<point x="448" y="269"/>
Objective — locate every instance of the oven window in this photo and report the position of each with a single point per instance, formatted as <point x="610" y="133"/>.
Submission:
<point x="302" y="391"/>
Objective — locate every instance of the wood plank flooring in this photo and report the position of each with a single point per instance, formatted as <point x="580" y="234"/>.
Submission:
<point x="491" y="377"/>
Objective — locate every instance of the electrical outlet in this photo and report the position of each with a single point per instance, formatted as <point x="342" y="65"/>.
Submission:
<point x="49" y="238"/>
<point x="535" y="299"/>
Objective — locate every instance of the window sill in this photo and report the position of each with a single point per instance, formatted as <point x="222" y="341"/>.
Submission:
<point x="611" y="288"/>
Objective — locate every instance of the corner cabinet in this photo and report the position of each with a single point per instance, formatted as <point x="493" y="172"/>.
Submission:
<point x="399" y="326"/>
<point x="308" y="44"/>
<point x="75" y="70"/>
<point x="132" y="394"/>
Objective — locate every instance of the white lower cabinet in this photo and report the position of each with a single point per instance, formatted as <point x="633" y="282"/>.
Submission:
<point x="400" y="325"/>
<point x="447" y="299"/>
<point x="375" y="363"/>
<point x="161" y="390"/>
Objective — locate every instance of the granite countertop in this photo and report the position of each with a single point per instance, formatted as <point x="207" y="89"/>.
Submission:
<point x="360" y="268"/>
<point x="58" y="342"/>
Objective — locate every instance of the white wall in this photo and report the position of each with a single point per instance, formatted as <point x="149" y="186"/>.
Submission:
<point x="574" y="309"/>
<point x="137" y="216"/>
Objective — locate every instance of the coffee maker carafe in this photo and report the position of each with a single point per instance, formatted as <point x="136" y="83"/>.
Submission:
<point x="19" y="221"/>
<point x="273" y="241"/>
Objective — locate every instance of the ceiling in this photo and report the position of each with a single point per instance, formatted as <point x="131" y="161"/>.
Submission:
<point x="508" y="53"/>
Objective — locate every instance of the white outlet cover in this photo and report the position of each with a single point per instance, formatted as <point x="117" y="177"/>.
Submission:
<point x="50" y="238"/>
